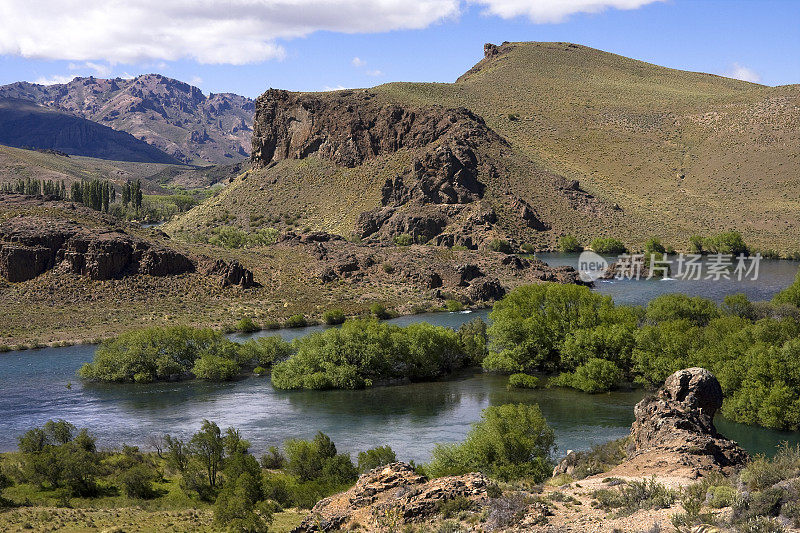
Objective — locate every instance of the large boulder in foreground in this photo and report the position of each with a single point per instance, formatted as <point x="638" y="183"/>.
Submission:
<point x="396" y="490"/>
<point x="674" y="430"/>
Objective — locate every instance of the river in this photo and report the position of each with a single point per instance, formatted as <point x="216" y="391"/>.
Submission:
<point x="39" y="385"/>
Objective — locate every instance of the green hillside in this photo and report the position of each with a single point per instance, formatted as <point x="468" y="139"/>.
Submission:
<point x="662" y="151"/>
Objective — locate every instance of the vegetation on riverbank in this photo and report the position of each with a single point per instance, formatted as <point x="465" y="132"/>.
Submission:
<point x="595" y="346"/>
<point x="363" y="352"/>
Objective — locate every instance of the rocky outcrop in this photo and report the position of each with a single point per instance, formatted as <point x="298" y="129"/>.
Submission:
<point x="229" y="273"/>
<point x="444" y="182"/>
<point x="30" y="246"/>
<point x="675" y="427"/>
<point x="394" y="490"/>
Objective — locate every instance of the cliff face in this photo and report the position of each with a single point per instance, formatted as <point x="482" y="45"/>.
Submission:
<point x="440" y="195"/>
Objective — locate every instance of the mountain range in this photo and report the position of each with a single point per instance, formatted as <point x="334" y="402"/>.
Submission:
<point x="170" y="115"/>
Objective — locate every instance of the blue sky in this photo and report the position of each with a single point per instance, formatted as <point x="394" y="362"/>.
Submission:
<point x="310" y="47"/>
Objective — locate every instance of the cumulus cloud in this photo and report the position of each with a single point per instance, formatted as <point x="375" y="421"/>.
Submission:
<point x="740" y="72"/>
<point x="99" y="68"/>
<point x="374" y="73"/>
<point x="552" y="11"/>
<point x="358" y="62"/>
<point x="53" y="80"/>
<point x="233" y="32"/>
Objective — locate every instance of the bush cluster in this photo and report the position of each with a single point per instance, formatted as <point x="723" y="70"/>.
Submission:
<point x="364" y="351"/>
<point x="595" y="346"/>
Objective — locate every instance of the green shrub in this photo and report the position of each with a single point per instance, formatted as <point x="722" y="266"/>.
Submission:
<point x="378" y="310"/>
<point x="595" y="375"/>
<point x="454" y="306"/>
<point x="729" y="242"/>
<point x="721" y="496"/>
<point x="600" y="458"/>
<point x="371" y="459"/>
<point x="156" y="354"/>
<point x="528" y="248"/>
<point x="215" y="368"/>
<point x="273" y="459"/>
<point x="296" y="321"/>
<point x="333" y="317"/>
<point x="696" y="244"/>
<point x="260" y="371"/>
<point x="569" y="244"/>
<point x="362" y="351"/>
<point x="388" y="268"/>
<point x="246" y="325"/>
<point x="607" y="246"/>
<point x="523" y="381"/>
<point x="509" y="442"/>
<point x="137" y="481"/>
<point x="499" y="245"/>
<point x="404" y="240"/>
<point x="791" y="294"/>
<point x="653" y="246"/>
<point x="265" y="351"/>
<point x="473" y="338"/>
<point x="636" y="495"/>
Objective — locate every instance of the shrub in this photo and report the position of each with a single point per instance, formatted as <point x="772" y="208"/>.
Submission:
<point x="699" y="311"/>
<point x="246" y="325"/>
<point x="157" y="354"/>
<point x="600" y="458"/>
<point x="509" y="442"/>
<point x="273" y="459"/>
<point x="333" y="317"/>
<point x="653" y="246"/>
<point x="696" y="244"/>
<point x="596" y="375"/>
<point x="791" y="294"/>
<point x="265" y="351"/>
<point x="137" y="481"/>
<point x="378" y="310"/>
<point x="361" y="351"/>
<point x="729" y="242"/>
<point x="472" y="337"/>
<point x="721" y="496"/>
<point x="635" y="495"/>
<point x="499" y="245"/>
<point x="607" y="246"/>
<point x="528" y="248"/>
<point x="296" y="321"/>
<point x="404" y="240"/>
<point x="569" y="244"/>
<point x="523" y="381"/>
<point x="454" y="306"/>
<point x="215" y="368"/>
<point x="371" y="459"/>
<point x="388" y="268"/>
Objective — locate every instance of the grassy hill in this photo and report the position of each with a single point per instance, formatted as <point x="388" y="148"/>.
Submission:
<point x="664" y="152"/>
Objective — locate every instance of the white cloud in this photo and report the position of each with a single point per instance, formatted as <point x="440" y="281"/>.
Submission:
<point x="233" y="32"/>
<point x="54" y="79"/>
<point x="358" y="62"/>
<point x="552" y="11"/>
<point x="99" y="68"/>
<point x="334" y="88"/>
<point x="196" y="81"/>
<point x="375" y="73"/>
<point x="740" y="72"/>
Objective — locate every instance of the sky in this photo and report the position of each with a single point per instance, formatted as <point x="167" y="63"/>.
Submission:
<point x="248" y="46"/>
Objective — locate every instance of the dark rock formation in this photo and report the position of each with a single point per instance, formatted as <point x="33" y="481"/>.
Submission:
<point x="230" y="273"/>
<point x="447" y="172"/>
<point x="397" y="488"/>
<point x="679" y="421"/>
<point x="486" y="290"/>
<point x="30" y="246"/>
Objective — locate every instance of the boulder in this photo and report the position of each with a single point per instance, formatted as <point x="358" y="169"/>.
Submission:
<point x="677" y="423"/>
<point x="232" y="273"/>
<point x="395" y="488"/>
<point x="486" y="290"/>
